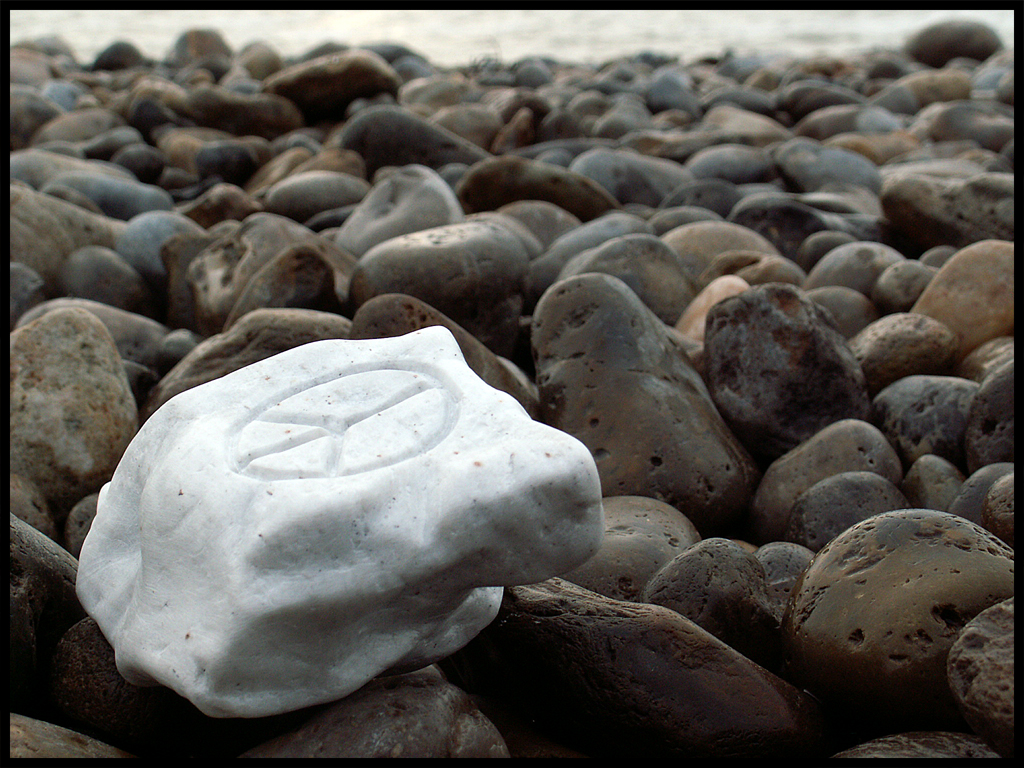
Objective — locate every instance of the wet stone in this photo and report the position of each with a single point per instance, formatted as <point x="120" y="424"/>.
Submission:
<point x="722" y="588"/>
<point x="849" y="445"/>
<point x="925" y="414"/>
<point x="980" y="669"/>
<point x="882" y="661"/>
<point x="611" y="677"/>
<point x="778" y="370"/>
<point x="903" y="344"/>
<point x="832" y="505"/>
<point x="634" y="399"/>
<point x="932" y="482"/>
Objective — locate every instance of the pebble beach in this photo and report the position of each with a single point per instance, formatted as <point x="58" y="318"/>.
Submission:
<point x="771" y="294"/>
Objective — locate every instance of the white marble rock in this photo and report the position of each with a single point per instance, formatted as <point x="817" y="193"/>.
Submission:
<point x="278" y="537"/>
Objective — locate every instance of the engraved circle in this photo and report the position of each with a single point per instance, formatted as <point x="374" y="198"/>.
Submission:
<point x="360" y="421"/>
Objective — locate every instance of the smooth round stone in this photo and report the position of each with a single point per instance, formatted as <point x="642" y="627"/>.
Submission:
<point x="195" y="45"/>
<point x="395" y="314"/>
<point x="233" y="161"/>
<point x="118" y="198"/>
<point x="650" y="268"/>
<point x="471" y="271"/>
<point x="45" y="231"/>
<point x="990" y="127"/>
<point x="784" y="222"/>
<point x="903" y="344"/>
<point x="932" y="482"/>
<point x="972" y="293"/>
<point x="816" y="245"/>
<point x="668" y="219"/>
<point x="473" y="122"/>
<point x="714" y="194"/>
<point x="641" y="535"/>
<point x="873" y="617"/>
<point x="146" y="163"/>
<point x="291" y="440"/>
<point x="100" y="274"/>
<point x="849" y="445"/>
<point x="849" y="309"/>
<point x="879" y="148"/>
<point x="543" y="271"/>
<point x="778" y="370"/>
<point x="989" y="435"/>
<point x="825" y="124"/>
<point x="854" y="265"/>
<point x="240" y="114"/>
<point x="939" y="43"/>
<point x="970" y="498"/>
<point x="629" y="176"/>
<point x="492" y="183"/>
<point x="900" y="285"/>
<point x="26" y="290"/>
<point x="734" y="163"/>
<point x="700" y="242"/>
<point x="303" y="195"/>
<point x="721" y="588"/>
<point x="808" y="165"/>
<point x="414" y="715"/>
<point x="121" y="54"/>
<point x="324" y="87"/>
<point x="38" y="738"/>
<point x="783" y="562"/>
<point x="986" y="358"/>
<point x="613" y="375"/>
<point x="756" y="268"/>
<point x="980" y="668"/>
<point x="803" y="97"/>
<point x="832" y="505"/>
<point x="930" y="210"/>
<point x="997" y="509"/>
<point x="925" y="414"/>
<point x="140" y="242"/>
<point x="545" y="220"/>
<point x="921" y="745"/>
<point x="30" y="110"/>
<point x="78" y="125"/>
<point x="745" y="126"/>
<point x="258" y="335"/>
<point x="693" y="321"/>
<point x="391" y="135"/>
<point x="29" y="505"/>
<point x="72" y="410"/>
<point x="409" y="199"/>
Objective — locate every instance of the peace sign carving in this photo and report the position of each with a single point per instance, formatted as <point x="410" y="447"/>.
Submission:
<point x="360" y="421"/>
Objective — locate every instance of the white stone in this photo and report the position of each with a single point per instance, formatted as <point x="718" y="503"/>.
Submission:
<point x="278" y="537"/>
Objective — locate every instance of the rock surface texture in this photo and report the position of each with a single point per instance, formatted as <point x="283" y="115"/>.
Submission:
<point x="377" y="480"/>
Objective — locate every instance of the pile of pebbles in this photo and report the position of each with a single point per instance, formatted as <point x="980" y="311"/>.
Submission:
<point x="772" y="295"/>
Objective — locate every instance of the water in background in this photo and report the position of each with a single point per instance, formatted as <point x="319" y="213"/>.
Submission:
<point x="458" y="37"/>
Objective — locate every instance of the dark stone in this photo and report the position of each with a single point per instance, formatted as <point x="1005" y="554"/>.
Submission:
<point x="939" y="43"/>
<point x="925" y="414"/>
<point x="784" y="222"/>
<point x="722" y="588"/>
<point x="625" y="679"/>
<point x="778" y="370"/>
<point x="783" y="563"/>
<point x="855" y="265"/>
<point x="471" y="271"/>
<point x="997" y="509"/>
<point x="392" y="135"/>
<point x="871" y="621"/>
<point x="926" y="745"/>
<point x="414" y="715"/>
<point x="715" y="194"/>
<point x="969" y="501"/>
<point x="832" y="505"/>
<point x="610" y="373"/>
<point x="980" y="669"/>
<point x="989" y="435"/>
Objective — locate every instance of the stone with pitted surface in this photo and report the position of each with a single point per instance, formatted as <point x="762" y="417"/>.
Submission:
<point x="277" y="537"/>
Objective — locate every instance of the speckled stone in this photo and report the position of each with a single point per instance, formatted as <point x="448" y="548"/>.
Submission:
<point x="903" y="344"/>
<point x="883" y="660"/>
<point x="932" y="482"/>
<point x="980" y="669"/>
<point x="921" y="745"/>
<point x="997" y="510"/>
<point x="989" y="434"/>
